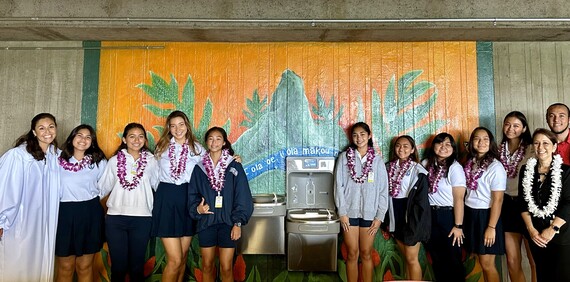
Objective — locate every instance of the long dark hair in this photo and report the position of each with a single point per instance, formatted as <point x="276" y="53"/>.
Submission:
<point x="431" y="156"/>
<point x="165" y="137"/>
<point x="94" y="150"/>
<point x="32" y="143"/>
<point x="526" y="138"/>
<point x="227" y="144"/>
<point x="366" y="128"/>
<point x="414" y="156"/>
<point x="128" y="128"/>
<point x="493" y="148"/>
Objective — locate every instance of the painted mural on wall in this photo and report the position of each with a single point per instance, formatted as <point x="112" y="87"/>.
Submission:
<point x="291" y="99"/>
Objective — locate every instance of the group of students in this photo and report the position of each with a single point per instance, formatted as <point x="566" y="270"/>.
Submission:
<point x="50" y="202"/>
<point x="505" y="195"/>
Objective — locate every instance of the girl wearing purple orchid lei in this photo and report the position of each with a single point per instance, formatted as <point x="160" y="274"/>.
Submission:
<point x="361" y="197"/>
<point x="486" y="183"/>
<point x="129" y="179"/>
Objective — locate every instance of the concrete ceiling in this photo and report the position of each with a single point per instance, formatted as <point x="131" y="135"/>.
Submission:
<point x="80" y="30"/>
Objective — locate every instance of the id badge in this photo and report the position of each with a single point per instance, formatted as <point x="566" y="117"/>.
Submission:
<point x="219" y="200"/>
<point x="371" y="177"/>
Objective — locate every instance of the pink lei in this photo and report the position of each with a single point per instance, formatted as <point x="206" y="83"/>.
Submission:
<point x="140" y="164"/>
<point x="395" y="183"/>
<point x="216" y="180"/>
<point x="176" y="169"/>
<point x="366" y="169"/>
<point x="511" y="162"/>
<point x="435" y="176"/>
<point x="86" y="161"/>
<point x="472" y="177"/>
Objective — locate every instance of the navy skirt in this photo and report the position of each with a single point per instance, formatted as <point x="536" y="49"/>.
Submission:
<point x="170" y="216"/>
<point x="400" y="206"/>
<point x="80" y="228"/>
<point x="474" y="225"/>
<point x="511" y="213"/>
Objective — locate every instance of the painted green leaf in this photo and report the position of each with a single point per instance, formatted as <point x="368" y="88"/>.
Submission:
<point x="419" y="112"/>
<point x="470" y="264"/>
<point x="282" y="277"/>
<point x="159" y="129"/>
<point x="157" y="111"/>
<point x="204" y="124"/>
<point x="296" y="276"/>
<point x="161" y="91"/>
<point x="154" y="278"/>
<point x="188" y="93"/>
<point x="474" y="278"/>
<point x="255" y="107"/>
<point x="341" y="269"/>
<point x="319" y="277"/>
<point x="407" y="79"/>
<point x="390" y="107"/>
<point x="410" y="94"/>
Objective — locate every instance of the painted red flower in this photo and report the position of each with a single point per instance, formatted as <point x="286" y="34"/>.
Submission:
<point x="385" y="234"/>
<point x="375" y="257"/>
<point x="344" y="250"/>
<point x="388" y="276"/>
<point x="428" y="256"/>
<point x="149" y="266"/>
<point x="360" y="272"/>
<point x="239" y="269"/>
<point x="198" y="274"/>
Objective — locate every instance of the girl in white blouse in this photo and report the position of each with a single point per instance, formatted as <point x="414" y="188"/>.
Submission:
<point x="446" y="193"/>
<point x="130" y="177"/>
<point x="486" y="183"/>
<point x="81" y="216"/>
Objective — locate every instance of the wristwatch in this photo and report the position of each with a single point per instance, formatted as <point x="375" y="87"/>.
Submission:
<point x="458" y="226"/>
<point x="556" y="229"/>
<point x="238" y="224"/>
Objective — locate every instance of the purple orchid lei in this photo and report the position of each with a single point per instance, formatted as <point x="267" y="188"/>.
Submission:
<point x="472" y="177"/>
<point x="177" y="169"/>
<point x="435" y="176"/>
<point x="366" y="169"/>
<point x="76" y="166"/>
<point x="511" y="162"/>
<point x="395" y="183"/>
<point x="122" y="170"/>
<point x="216" y="180"/>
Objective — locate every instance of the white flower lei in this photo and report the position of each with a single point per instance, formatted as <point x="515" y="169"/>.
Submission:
<point x="550" y="207"/>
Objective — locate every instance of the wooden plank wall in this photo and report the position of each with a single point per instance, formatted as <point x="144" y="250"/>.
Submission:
<point x="35" y="81"/>
<point x="530" y="76"/>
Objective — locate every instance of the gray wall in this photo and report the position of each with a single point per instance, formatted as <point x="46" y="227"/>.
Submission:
<point x="529" y="76"/>
<point x="35" y="81"/>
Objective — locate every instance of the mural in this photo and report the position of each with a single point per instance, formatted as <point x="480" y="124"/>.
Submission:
<point x="290" y="99"/>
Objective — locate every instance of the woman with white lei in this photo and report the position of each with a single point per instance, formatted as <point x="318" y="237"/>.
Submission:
<point x="545" y="204"/>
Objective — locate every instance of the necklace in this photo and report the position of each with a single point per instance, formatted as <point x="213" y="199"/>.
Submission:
<point x="395" y="183"/>
<point x="122" y="170"/>
<point x="511" y="162"/>
<point x="552" y="203"/>
<point x="435" y="176"/>
<point x="216" y="180"/>
<point x="176" y="169"/>
<point x="366" y="169"/>
<point x="472" y="177"/>
<point x="86" y="161"/>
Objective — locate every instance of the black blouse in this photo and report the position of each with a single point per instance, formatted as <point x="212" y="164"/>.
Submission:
<point x="541" y="192"/>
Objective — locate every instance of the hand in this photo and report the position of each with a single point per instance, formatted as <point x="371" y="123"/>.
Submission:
<point x="458" y="236"/>
<point x="237" y="158"/>
<point x="373" y="229"/>
<point x="536" y="238"/>
<point x="236" y="233"/>
<point x="489" y="237"/>
<point x="547" y="234"/>
<point x="344" y="223"/>
<point x="1" y="233"/>
<point x="204" y="208"/>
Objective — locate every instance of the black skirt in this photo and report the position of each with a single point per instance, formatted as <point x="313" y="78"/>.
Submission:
<point x="170" y="216"/>
<point x="400" y="206"/>
<point x="80" y="228"/>
<point x="511" y="214"/>
<point x="475" y="223"/>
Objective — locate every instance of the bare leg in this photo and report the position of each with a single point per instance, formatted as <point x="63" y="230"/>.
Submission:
<point x="208" y="256"/>
<point x="65" y="268"/>
<point x="413" y="267"/>
<point x="365" y="246"/>
<point x="226" y="264"/>
<point x="84" y="268"/>
<point x="514" y="258"/>
<point x="489" y="269"/>
<point x="351" y="240"/>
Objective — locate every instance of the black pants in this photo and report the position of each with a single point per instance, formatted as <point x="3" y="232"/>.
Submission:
<point x="446" y="259"/>
<point x="127" y="237"/>
<point x="551" y="262"/>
